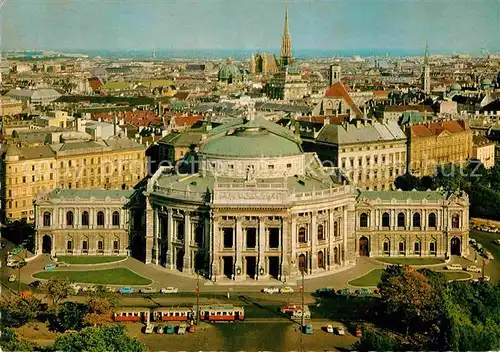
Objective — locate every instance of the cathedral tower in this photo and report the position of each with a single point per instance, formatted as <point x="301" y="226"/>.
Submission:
<point x="286" y="44"/>
<point x="426" y="76"/>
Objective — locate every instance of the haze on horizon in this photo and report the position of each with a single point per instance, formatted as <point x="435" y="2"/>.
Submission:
<point x="447" y="25"/>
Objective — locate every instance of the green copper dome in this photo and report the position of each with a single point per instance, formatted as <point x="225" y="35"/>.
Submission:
<point x="229" y="72"/>
<point x="455" y="87"/>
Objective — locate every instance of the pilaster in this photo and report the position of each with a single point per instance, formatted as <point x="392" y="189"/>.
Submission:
<point x="331" y="238"/>
<point x="170" y="238"/>
<point x="238" y="270"/>
<point x="262" y="246"/>
<point x="149" y="230"/>
<point x="285" y="260"/>
<point x="187" y="263"/>
<point x="314" y="243"/>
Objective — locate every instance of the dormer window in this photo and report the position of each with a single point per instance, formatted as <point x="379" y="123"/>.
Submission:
<point x="270" y="167"/>
<point x="289" y="166"/>
<point x="230" y="167"/>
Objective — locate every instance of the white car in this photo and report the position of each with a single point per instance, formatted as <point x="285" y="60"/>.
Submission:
<point x="473" y="269"/>
<point x="181" y="329"/>
<point x="496" y="241"/>
<point x="453" y="267"/>
<point x="286" y="289"/>
<point x="148" y="290"/>
<point x="149" y="329"/>
<point x="340" y="331"/>
<point x="329" y="329"/>
<point x="271" y="290"/>
<point x="76" y="288"/>
<point x="12" y="278"/>
<point x="169" y="290"/>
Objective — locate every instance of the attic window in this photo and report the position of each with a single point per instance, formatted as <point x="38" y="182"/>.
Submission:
<point x="230" y="167"/>
<point x="270" y="167"/>
<point x="194" y="183"/>
<point x="289" y="166"/>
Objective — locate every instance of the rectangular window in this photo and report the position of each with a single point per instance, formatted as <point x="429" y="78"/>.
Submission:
<point x="289" y="166"/>
<point x="270" y="167"/>
<point x="69" y="245"/>
<point x="33" y="178"/>
<point x="100" y="245"/>
<point x="85" y="245"/>
<point x="115" y="245"/>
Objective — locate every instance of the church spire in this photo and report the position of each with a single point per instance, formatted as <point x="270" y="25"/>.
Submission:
<point x="426" y="54"/>
<point x="286" y="43"/>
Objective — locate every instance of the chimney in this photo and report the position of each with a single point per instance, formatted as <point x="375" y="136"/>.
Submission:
<point x="358" y="123"/>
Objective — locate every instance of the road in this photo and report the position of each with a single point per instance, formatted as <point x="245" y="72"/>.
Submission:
<point x="486" y="239"/>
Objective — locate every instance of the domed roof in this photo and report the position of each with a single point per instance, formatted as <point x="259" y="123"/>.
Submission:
<point x="229" y="70"/>
<point x="486" y="82"/>
<point x="456" y="87"/>
<point x="251" y="140"/>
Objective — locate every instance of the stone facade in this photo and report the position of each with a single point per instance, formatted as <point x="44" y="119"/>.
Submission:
<point x="82" y="222"/>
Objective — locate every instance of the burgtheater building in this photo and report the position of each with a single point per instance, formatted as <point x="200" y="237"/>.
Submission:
<point x="255" y="206"/>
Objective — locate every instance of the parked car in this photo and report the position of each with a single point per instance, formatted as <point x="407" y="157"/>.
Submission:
<point x="357" y="332"/>
<point x="89" y="289"/>
<point x="148" y="290"/>
<point x="169" y="290"/>
<point x="485" y="279"/>
<point x="488" y="255"/>
<point x="308" y="329"/>
<point x="12" y="278"/>
<point x="181" y="329"/>
<point x="363" y="291"/>
<point x="20" y="264"/>
<point x="286" y="289"/>
<point x="110" y="289"/>
<point x="344" y="292"/>
<point x="191" y="329"/>
<point x="149" y="329"/>
<point x="160" y="329"/>
<point x="271" y="290"/>
<point x="453" y="267"/>
<point x="340" y="330"/>
<point x="62" y="264"/>
<point x="76" y="288"/>
<point x="169" y="330"/>
<point x="472" y="242"/>
<point x="126" y="290"/>
<point x="35" y="284"/>
<point x="325" y="292"/>
<point x="329" y="329"/>
<point x="49" y="267"/>
<point x="473" y="269"/>
<point x="496" y="241"/>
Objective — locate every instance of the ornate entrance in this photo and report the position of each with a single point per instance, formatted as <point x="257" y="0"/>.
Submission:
<point x="455" y="246"/>
<point x="274" y="266"/>
<point x="321" y="260"/>
<point x="179" y="259"/>
<point x="363" y="247"/>
<point x="46" y="244"/>
<point x="302" y="263"/>
<point x="251" y="266"/>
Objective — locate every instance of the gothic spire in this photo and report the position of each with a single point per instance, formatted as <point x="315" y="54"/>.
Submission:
<point x="426" y="54"/>
<point x="286" y="43"/>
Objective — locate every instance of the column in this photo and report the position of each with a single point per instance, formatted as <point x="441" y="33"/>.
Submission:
<point x="156" y="234"/>
<point x="409" y="220"/>
<point x="344" y="233"/>
<point x="285" y="260"/>
<point x="238" y="273"/>
<point x="206" y="242"/>
<point x="170" y="238"/>
<point x="215" y="245"/>
<point x="294" y="244"/>
<point x="186" y="265"/>
<point x="262" y="246"/>
<point x="331" y="238"/>
<point x="314" y="243"/>
<point x="149" y="230"/>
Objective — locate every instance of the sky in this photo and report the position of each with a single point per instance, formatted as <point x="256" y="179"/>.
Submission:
<point x="447" y="25"/>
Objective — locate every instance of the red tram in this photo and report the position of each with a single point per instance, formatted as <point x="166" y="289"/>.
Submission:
<point x="132" y="314"/>
<point x="222" y="313"/>
<point x="173" y="314"/>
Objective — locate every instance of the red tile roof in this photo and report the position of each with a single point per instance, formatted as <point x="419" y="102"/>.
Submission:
<point x="334" y="120"/>
<point x="186" y="121"/>
<point x="338" y="90"/>
<point x="436" y="128"/>
<point x="95" y="84"/>
<point x="135" y="118"/>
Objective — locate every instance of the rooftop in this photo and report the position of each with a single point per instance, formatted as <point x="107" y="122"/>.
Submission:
<point x="101" y="194"/>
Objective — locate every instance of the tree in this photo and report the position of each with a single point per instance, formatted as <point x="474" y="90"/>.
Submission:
<point x="70" y="316"/>
<point x="57" y="290"/>
<point x="10" y="342"/>
<point x="407" y="182"/>
<point x="100" y="311"/>
<point x="375" y="341"/>
<point x="17" y="311"/>
<point x="408" y="296"/>
<point x="101" y="339"/>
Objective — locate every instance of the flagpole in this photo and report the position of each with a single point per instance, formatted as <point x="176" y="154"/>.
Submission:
<point x="197" y="298"/>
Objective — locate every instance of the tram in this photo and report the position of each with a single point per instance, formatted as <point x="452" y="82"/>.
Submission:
<point x="222" y="313"/>
<point x="173" y="314"/>
<point x="132" y="314"/>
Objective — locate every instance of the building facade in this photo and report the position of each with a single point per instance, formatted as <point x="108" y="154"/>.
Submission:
<point x="259" y="207"/>
<point x="287" y="85"/>
<point x="437" y="143"/>
<point x="483" y="150"/>
<point x="29" y="171"/>
<point x="412" y="224"/>
<point x="82" y="222"/>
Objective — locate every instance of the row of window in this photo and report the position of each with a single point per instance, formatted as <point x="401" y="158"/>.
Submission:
<point x="70" y="218"/>
<point x="85" y="245"/>
<point x="401" y="220"/>
<point x="367" y="161"/>
<point x="377" y="147"/>
<point x="402" y="247"/>
<point x="320" y="230"/>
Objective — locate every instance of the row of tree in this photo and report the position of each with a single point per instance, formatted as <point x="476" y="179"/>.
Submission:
<point x="420" y="310"/>
<point x="481" y="184"/>
<point x="90" y="323"/>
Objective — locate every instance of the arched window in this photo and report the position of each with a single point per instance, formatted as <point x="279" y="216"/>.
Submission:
<point x="363" y="220"/>
<point x="335" y="229"/>
<point x="321" y="232"/>
<point x="432" y="220"/>
<point x="455" y="221"/>
<point x="416" y="220"/>
<point x="386" y="220"/>
<point x="85" y="218"/>
<point x="432" y="247"/>
<point x="416" y="247"/>
<point x="402" y="247"/>
<point x="401" y="220"/>
<point x="100" y="218"/>
<point x="69" y="244"/>
<point x="387" y="247"/>
<point x="46" y="218"/>
<point x="116" y="218"/>
<point x="69" y="218"/>
<point x="302" y="235"/>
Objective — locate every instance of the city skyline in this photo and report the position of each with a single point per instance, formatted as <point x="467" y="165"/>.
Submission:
<point x="387" y="26"/>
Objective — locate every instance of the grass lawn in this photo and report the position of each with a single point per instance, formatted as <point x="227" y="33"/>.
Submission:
<point x="411" y="261"/>
<point x="117" y="276"/>
<point x="373" y="277"/>
<point x="85" y="259"/>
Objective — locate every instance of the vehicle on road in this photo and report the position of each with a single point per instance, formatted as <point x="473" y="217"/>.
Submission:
<point x="191" y="329"/>
<point x="496" y="241"/>
<point x="181" y="330"/>
<point x="222" y="313"/>
<point x="76" y="288"/>
<point x="357" y="332"/>
<point x="308" y="329"/>
<point x="344" y="292"/>
<point x="148" y="290"/>
<point x="453" y="267"/>
<point x="126" y="290"/>
<point x="290" y="308"/>
<point x="271" y="290"/>
<point x="132" y="314"/>
<point x="168" y="290"/>
<point x="329" y="329"/>
<point x="473" y="269"/>
<point x="149" y="329"/>
<point x="340" y="331"/>
<point x="363" y="291"/>
<point x="286" y="289"/>
<point x="325" y="292"/>
<point x="472" y="242"/>
<point x="35" y="284"/>
<point x="21" y="264"/>
<point x="49" y="267"/>
<point x="110" y="289"/>
<point x="62" y="264"/>
<point x="160" y="329"/>
<point x="12" y="278"/>
<point x="89" y="289"/>
<point x="485" y="278"/>
<point x="170" y="329"/>
<point x="488" y="255"/>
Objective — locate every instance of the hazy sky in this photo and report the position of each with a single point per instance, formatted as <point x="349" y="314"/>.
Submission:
<point x="448" y="25"/>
